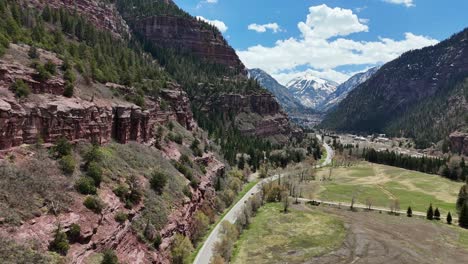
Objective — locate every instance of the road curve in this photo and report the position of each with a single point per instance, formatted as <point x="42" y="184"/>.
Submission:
<point x="206" y="252"/>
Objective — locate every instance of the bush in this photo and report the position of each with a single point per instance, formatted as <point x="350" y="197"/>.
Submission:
<point x="69" y="76"/>
<point x="74" y="233"/>
<point x="60" y="243"/>
<point x="181" y="249"/>
<point x="157" y="241"/>
<point x="21" y="89"/>
<point x="94" y="204"/>
<point x="121" y="191"/>
<point x="63" y="147"/>
<point x="176" y="137"/>
<point x="67" y="164"/>
<point x="69" y="90"/>
<point x="50" y="67"/>
<point x="85" y="185"/>
<point x="94" y="171"/>
<point x="158" y="181"/>
<point x="42" y="74"/>
<point x="109" y="257"/>
<point x="93" y="154"/>
<point x="32" y="53"/>
<point x="121" y="217"/>
<point x="184" y="170"/>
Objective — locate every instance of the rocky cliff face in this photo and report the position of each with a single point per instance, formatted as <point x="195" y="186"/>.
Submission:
<point x="186" y="34"/>
<point x="258" y="115"/>
<point x="104" y="15"/>
<point x="50" y="117"/>
<point x="459" y="143"/>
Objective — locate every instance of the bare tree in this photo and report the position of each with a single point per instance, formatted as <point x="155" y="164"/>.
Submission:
<point x="353" y="200"/>
<point x="369" y="203"/>
<point x="285" y="199"/>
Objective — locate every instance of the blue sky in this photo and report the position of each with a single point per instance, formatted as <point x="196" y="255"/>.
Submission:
<point x="331" y="39"/>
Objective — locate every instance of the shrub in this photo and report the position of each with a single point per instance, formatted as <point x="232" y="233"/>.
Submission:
<point x="157" y="241"/>
<point x="32" y="53"/>
<point x="181" y="249"/>
<point x="176" y="137"/>
<point x="93" y="154"/>
<point x="42" y="74"/>
<point x="109" y="257"/>
<point x="94" y="204"/>
<point x="69" y="90"/>
<point x="50" y="67"/>
<point x="85" y="185"/>
<point x="60" y="243"/>
<point x="121" y="191"/>
<point x="63" y="147"/>
<point x="158" y="181"/>
<point x="20" y="88"/>
<point x="121" y="217"/>
<point x="67" y="164"/>
<point x="187" y="192"/>
<point x="69" y="76"/>
<point x="184" y="170"/>
<point x="94" y="171"/>
<point x="74" y="233"/>
<point x="449" y="218"/>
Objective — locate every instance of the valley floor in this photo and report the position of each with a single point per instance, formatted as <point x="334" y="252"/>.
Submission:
<point x="332" y="235"/>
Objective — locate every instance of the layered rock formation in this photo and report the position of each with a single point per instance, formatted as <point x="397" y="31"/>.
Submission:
<point x="459" y="143"/>
<point x="50" y="117"/>
<point x="185" y="34"/>
<point x="257" y="115"/>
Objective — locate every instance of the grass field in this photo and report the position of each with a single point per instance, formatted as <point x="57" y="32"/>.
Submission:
<point x="295" y="237"/>
<point x="382" y="184"/>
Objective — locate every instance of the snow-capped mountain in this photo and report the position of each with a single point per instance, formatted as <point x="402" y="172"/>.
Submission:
<point x="282" y="94"/>
<point x="343" y="89"/>
<point x="310" y="90"/>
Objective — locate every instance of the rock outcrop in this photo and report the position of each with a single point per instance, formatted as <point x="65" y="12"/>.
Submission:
<point x="49" y="117"/>
<point x="186" y="34"/>
<point x="103" y="15"/>
<point x="459" y="143"/>
<point x="257" y="115"/>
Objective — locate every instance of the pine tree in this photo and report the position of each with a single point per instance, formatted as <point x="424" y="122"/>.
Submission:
<point x="449" y="218"/>
<point x="409" y="212"/>
<point x="430" y="213"/>
<point x="437" y="214"/>
<point x="463" y="216"/>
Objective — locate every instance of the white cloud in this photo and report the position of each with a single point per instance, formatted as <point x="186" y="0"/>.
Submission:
<point x="407" y="3"/>
<point x="323" y="47"/>
<point x="209" y="2"/>
<point x="263" y="28"/>
<point x="217" y="23"/>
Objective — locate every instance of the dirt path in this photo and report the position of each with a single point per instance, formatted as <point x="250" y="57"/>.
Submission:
<point x="381" y="238"/>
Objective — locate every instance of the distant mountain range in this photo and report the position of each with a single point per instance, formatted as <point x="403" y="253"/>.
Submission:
<point x="423" y="94"/>
<point x="308" y="93"/>
<point x="310" y="90"/>
<point x="345" y="88"/>
<point x="283" y="95"/>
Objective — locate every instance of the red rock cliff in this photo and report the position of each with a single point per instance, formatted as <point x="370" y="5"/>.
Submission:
<point x="50" y="117"/>
<point x="186" y="34"/>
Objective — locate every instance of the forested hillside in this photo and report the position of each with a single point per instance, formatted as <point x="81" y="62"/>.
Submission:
<point x="422" y="94"/>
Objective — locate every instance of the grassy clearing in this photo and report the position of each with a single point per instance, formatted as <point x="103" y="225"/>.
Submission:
<point x="275" y="237"/>
<point x="241" y="194"/>
<point x="382" y="184"/>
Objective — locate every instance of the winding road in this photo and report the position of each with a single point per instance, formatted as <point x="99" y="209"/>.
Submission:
<point x="206" y="252"/>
